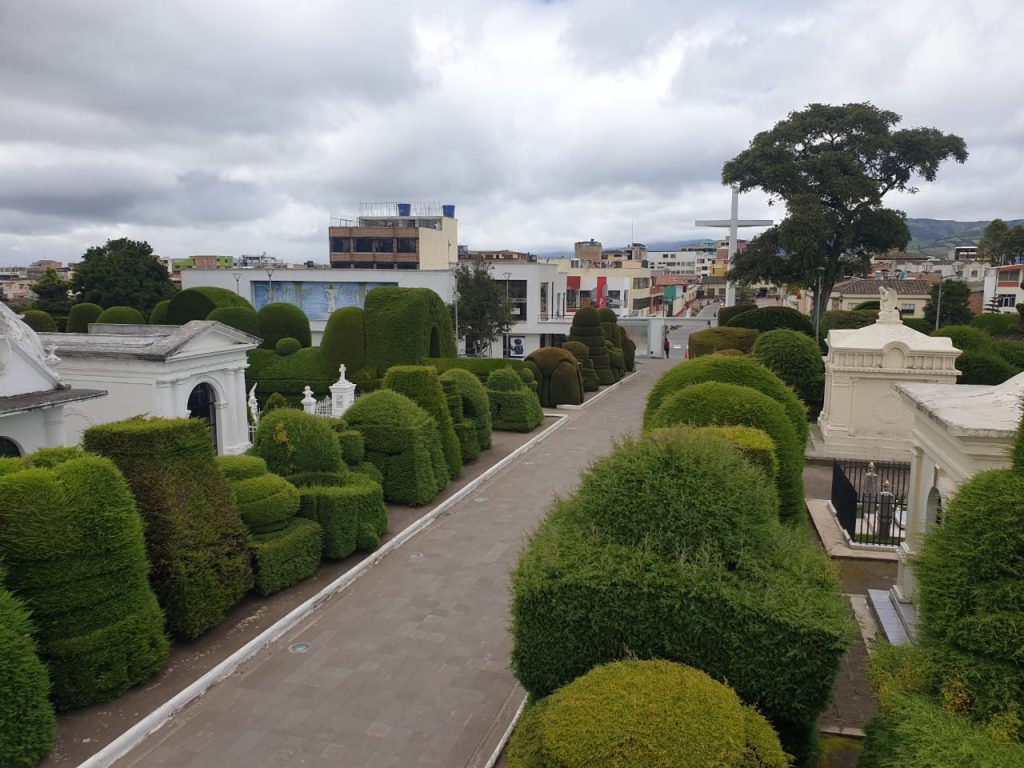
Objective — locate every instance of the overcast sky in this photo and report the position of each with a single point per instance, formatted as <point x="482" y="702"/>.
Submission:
<point x="221" y="127"/>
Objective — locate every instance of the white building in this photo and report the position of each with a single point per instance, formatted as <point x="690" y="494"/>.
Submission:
<point x="692" y="259"/>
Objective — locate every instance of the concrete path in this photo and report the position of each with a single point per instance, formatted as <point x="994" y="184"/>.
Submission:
<point x="409" y="665"/>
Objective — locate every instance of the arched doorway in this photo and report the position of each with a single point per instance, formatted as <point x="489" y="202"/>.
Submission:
<point x="933" y="511"/>
<point x="9" y="449"/>
<point x="201" y="405"/>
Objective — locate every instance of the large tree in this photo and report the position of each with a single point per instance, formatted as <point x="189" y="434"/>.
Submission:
<point x="122" y="273"/>
<point x="954" y="304"/>
<point x="832" y="166"/>
<point x="483" y="309"/>
<point x="1002" y="244"/>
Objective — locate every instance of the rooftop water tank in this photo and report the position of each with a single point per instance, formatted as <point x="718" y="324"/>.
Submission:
<point x="448" y="211"/>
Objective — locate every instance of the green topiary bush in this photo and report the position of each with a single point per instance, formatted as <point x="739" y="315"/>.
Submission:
<point x="475" y="405"/>
<point x="198" y="303"/>
<point x="628" y="349"/>
<point x="582" y="354"/>
<point x="288" y="375"/>
<point x="847" y="320"/>
<point x="80" y="315"/>
<point x="559" y="376"/>
<point x="796" y="359"/>
<point x="401" y="441"/>
<point x="995" y="324"/>
<point x="240" y="318"/>
<point x="353" y="446"/>
<point x="644" y="714"/>
<point x="732" y="370"/>
<point x="265" y="503"/>
<point x="613" y="336"/>
<point x="965" y="337"/>
<point x="717" y="403"/>
<point x="421" y="385"/>
<point x="874" y="304"/>
<point x="586" y="329"/>
<point x="241" y="467"/>
<point x="771" y="318"/>
<point x="481" y="367"/>
<point x="281" y="321"/>
<point x="158" y="315"/>
<point x="292" y="441"/>
<point x="514" y="407"/>
<point x="73" y="543"/>
<point x="287" y="346"/>
<point x="712" y="340"/>
<point x="1010" y="351"/>
<point x="194" y="537"/>
<point x="27" y="722"/>
<point x="919" y="324"/>
<point x="725" y="314"/>
<point x="39" y="321"/>
<point x="344" y="340"/>
<point x="406" y="325"/>
<point x="121" y="316"/>
<point x="284" y="558"/>
<point x="587" y="592"/>
<point x="755" y="445"/>
<point x="983" y="367"/>
<point x="352" y="515"/>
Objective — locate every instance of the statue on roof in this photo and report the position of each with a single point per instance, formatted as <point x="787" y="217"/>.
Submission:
<point x="887" y="311"/>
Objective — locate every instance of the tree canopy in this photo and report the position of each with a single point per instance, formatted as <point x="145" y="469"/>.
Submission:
<point x="484" y="313"/>
<point x="122" y="273"/>
<point x="954" y="309"/>
<point x="832" y="166"/>
<point x="1001" y="244"/>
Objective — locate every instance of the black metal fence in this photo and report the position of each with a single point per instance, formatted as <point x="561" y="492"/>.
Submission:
<point x="870" y="499"/>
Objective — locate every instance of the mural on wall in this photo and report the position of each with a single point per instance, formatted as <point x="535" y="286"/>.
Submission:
<point x="317" y="299"/>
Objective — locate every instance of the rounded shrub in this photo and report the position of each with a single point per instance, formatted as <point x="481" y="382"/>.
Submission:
<point x="475" y="405"/>
<point x="559" y="376"/>
<point x="421" y="384"/>
<point x="280" y="321"/>
<point x="197" y="303"/>
<point x="401" y="441"/>
<point x="195" y="540"/>
<point x="73" y="542"/>
<point x="725" y="314"/>
<point x="586" y="329"/>
<point x="755" y="445"/>
<point x="265" y="503"/>
<point x="293" y="441"/>
<point x="796" y="359"/>
<point x="965" y="337"/>
<point x="644" y="714"/>
<point x="582" y="354"/>
<point x="919" y="324"/>
<point x="287" y="346"/>
<point x="732" y="370"/>
<point x="158" y="315"/>
<point x="241" y="467"/>
<point x="240" y="318"/>
<point x="846" y="320"/>
<point x="39" y="321"/>
<point x="351" y="514"/>
<point x="718" y="403"/>
<point x="121" y="316"/>
<point x="1010" y="351"/>
<point x="712" y="340"/>
<point x="504" y="380"/>
<point x="983" y="367"/>
<point x="80" y="315"/>
<point x="514" y="406"/>
<point x="344" y="340"/>
<point x="874" y="304"/>
<point x="771" y="318"/>
<point x="731" y="352"/>
<point x="1000" y="324"/>
<point x="679" y="492"/>
<point x="27" y="722"/>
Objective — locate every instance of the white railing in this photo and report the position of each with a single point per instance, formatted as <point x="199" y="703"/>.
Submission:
<point x="343" y="394"/>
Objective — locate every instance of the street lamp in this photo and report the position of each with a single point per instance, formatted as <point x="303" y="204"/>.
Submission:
<point x="270" y="283"/>
<point x="455" y="302"/>
<point x="508" y="305"/>
<point x="817" y="306"/>
<point x="238" y="276"/>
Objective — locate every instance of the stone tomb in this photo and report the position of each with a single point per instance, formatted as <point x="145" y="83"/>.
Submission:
<point x="197" y="369"/>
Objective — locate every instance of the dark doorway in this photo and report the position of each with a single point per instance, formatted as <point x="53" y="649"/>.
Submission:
<point x="8" y="449"/>
<point x="201" y="406"/>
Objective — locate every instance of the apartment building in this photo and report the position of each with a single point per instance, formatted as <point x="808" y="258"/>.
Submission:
<point x="396" y="236"/>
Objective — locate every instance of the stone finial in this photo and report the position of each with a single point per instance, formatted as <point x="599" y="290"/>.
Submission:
<point x="308" y="401"/>
<point x="341" y="371"/>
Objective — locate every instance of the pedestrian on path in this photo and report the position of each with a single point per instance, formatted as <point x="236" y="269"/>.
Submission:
<point x="667" y="347"/>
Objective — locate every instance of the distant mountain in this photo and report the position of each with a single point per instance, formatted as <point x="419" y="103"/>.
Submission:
<point x="934" y="237"/>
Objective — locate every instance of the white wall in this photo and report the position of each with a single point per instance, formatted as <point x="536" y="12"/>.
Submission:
<point x="31" y="431"/>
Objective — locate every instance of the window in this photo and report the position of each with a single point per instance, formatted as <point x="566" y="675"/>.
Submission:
<point x="641" y="282"/>
<point x="363" y="245"/>
<point x="383" y="245"/>
<point x="340" y="244"/>
<point x="907" y="310"/>
<point x="1006" y="300"/>
<point x="517" y="298"/>
<point x="406" y="245"/>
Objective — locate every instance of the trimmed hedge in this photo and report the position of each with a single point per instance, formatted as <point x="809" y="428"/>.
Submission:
<point x="406" y="325"/>
<point x="732" y="370"/>
<point x="287" y="376"/>
<point x="198" y="303"/>
<point x="628" y="349"/>
<point x="481" y="367"/>
<point x="582" y="354"/>
<point x="586" y="329"/>
<point x="754" y="445"/>
<point x="613" y="335"/>
<point x="1010" y="351"/>
<point x="644" y="714"/>
<point x="352" y="516"/>
<point x="711" y="340"/>
<point x="421" y="385"/>
<point x="344" y="340"/>
<point x="27" y="722"/>
<point x="287" y="346"/>
<point x="718" y="403"/>
<point x="514" y="407"/>
<point x="194" y="537"/>
<point x="874" y="304"/>
<point x="158" y="315"/>
<point x="983" y="367"/>
<point x="965" y="337"/>
<point x="39" y="321"/>
<point x="241" y="467"/>
<point x="265" y="503"/>
<point x="353" y="446"/>
<point x="281" y="320"/>
<point x="771" y="318"/>
<point x="401" y="441"/>
<point x="919" y="324"/>
<point x="122" y="316"/>
<point x="559" y="376"/>
<point x="796" y="359"/>
<point x="240" y="318"/>
<point x="1000" y="324"/>
<point x="73" y="542"/>
<point x="286" y="557"/>
<point x="475" y="405"/>
<point x="80" y="315"/>
<point x="725" y="314"/>
<point x="292" y="441"/>
<point x="847" y="320"/>
<point x="581" y="599"/>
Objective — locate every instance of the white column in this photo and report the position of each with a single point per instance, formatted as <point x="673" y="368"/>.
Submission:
<point x="53" y="426"/>
<point x="906" y="587"/>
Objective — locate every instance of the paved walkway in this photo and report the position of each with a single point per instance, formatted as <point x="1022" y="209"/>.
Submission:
<point x="409" y="666"/>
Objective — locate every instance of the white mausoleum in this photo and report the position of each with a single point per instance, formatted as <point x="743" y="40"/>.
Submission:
<point x="197" y="369"/>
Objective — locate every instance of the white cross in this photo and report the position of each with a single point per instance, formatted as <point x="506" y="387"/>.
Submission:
<point x="733" y="222"/>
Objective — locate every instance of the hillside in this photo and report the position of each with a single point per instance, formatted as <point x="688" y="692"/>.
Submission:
<point x="934" y="237"/>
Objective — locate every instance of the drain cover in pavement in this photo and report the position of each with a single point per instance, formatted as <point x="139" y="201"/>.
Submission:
<point x="298" y="647"/>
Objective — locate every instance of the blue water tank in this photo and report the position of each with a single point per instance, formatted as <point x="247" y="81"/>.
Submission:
<point x="448" y="211"/>
<point x="404" y="209"/>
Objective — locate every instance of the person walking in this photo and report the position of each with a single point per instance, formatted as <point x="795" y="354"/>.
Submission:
<point x="667" y="346"/>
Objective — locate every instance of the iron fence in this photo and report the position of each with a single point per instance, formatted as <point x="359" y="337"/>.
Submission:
<point x="870" y="500"/>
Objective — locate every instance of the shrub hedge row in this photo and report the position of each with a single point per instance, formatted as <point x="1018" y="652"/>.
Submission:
<point x="514" y="406"/>
<point x="481" y="367"/>
<point x="80" y="315"/>
<point x="198" y="303"/>
<point x="712" y="340"/>
<point x="281" y="320"/>
<point x="965" y="337"/>
<point x="725" y="314"/>
<point x="286" y="557"/>
<point x="344" y="340"/>
<point x="39" y="321"/>
<point x="72" y="540"/>
<point x="240" y="318"/>
<point x="288" y="375"/>
<point x="559" y="376"/>
<point x="351" y="515"/>
<point x="121" y="316"/>
<point x="406" y="325"/>
<point x="195" y="540"/>
<point x="421" y="385"/>
<point x="586" y="329"/>
<point x="771" y="318"/>
<point x="993" y="324"/>
<point x="158" y="315"/>
<point x="983" y="367"/>
<point x="796" y="359"/>
<point x="755" y="445"/>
